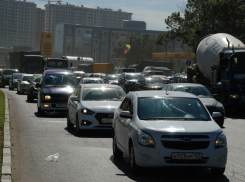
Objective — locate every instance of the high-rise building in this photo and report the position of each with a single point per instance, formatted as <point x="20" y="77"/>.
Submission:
<point x="40" y="21"/>
<point x="18" y="23"/>
<point x="65" y="13"/>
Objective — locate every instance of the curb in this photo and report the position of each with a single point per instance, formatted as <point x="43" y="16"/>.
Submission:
<point x="7" y="173"/>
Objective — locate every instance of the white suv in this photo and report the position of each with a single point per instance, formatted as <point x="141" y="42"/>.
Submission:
<point x="158" y="128"/>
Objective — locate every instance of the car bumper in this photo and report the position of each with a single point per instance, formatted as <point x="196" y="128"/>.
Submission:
<point x="95" y="121"/>
<point x="54" y="106"/>
<point x="156" y="157"/>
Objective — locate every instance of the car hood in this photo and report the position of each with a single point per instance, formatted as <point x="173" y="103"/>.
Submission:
<point x="101" y="106"/>
<point x="209" y="102"/>
<point x="25" y="82"/>
<point x="134" y="80"/>
<point x="155" y="85"/>
<point x="58" y="90"/>
<point x="161" y="126"/>
<point x="113" y="81"/>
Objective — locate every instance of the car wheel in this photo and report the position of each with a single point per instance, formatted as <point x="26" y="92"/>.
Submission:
<point x="116" y="152"/>
<point x="78" y="130"/>
<point x="40" y="111"/>
<point x="31" y="98"/>
<point x="69" y="124"/>
<point x="133" y="166"/>
<point x="218" y="171"/>
<point x="11" y="88"/>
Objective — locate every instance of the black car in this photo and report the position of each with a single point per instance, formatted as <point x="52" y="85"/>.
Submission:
<point x="54" y="89"/>
<point x="150" y="83"/>
<point x="111" y="79"/>
<point x="204" y="95"/>
<point x="127" y="81"/>
<point x="5" y="75"/>
<point x="32" y="89"/>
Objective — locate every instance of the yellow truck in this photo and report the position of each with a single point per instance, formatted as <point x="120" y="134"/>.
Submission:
<point x="103" y="68"/>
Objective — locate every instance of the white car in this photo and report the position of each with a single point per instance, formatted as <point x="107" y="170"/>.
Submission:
<point x="91" y="80"/>
<point x="92" y="106"/>
<point x="156" y="128"/>
<point x="23" y="83"/>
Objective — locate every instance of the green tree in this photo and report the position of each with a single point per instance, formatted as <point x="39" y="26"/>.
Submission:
<point x="199" y="18"/>
<point x="142" y="48"/>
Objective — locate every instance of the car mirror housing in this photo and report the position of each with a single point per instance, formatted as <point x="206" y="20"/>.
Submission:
<point x="125" y="114"/>
<point x="74" y="98"/>
<point x="216" y="115"/>
<point x="38" y="85"/>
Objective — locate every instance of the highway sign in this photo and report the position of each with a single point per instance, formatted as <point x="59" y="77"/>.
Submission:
<point x="188" y="62"/>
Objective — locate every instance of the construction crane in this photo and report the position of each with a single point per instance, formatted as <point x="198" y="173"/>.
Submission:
<point x="51" y="1"/>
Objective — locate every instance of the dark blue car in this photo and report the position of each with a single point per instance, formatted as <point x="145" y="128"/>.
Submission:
<point x="54" y="90"/>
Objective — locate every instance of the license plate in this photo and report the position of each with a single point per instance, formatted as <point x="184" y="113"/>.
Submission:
<point x="187" y="156"/>
<point x="107" y="120"/>
<point x="60" y="105"/>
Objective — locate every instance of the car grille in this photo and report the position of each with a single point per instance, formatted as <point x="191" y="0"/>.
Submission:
<point x="185" y="142"/>
<point x="99" y="117"/>
<point x="60" y="97"/>
<point x="169" y="160"/>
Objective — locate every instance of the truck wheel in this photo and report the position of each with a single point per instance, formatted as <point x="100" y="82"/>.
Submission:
<point x="40" y="111"/>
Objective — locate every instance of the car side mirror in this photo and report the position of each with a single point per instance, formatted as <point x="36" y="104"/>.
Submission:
<point x="216" y="96"/>
<point x="38" y="85"/>
<point x="74" y="98"/>
<point x="125" y="114"/>
<point x="216" y="115"/>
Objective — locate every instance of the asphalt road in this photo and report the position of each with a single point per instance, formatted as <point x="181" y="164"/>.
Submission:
<point x="89" y="157"/>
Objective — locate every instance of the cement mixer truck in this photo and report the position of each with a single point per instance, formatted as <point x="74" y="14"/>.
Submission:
<point x="220" y="66"/>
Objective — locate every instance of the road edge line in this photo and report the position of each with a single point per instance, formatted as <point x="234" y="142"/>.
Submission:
<point x="7" y="162"/>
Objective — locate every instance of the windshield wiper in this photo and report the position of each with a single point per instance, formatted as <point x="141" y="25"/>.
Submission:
<point x="152" y="118"/>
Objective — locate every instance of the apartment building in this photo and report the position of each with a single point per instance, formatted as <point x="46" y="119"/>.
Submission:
<point x="18" y="23"/>
<point x="70" y="14"/>
<point x="40" y="22"/>
<point x="92" y="41"/>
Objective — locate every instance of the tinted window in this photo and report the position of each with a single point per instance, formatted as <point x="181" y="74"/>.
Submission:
<point x="112" y="77"/>
<point x="37" y="79"/>
<point x="154" y="80"/>
<point x="79" y="74"/>
<point x="17" y="76"/>
<point x="60" y="81"/>
<point x="103" y="94"/>
<point x="9" y="72"/>
<point x="158" y="73"/>
<point x="171" y="108"/>
<point x="198" y="91"/>
<point x="132" y="76"/>
<point x="26" y="78"/>
<point x="57" y="63"/>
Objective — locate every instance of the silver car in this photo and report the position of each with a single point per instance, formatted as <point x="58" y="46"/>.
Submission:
<point x="156" y="128"/>
<point x="23" y="83"/>
<point x="92" y="106"/>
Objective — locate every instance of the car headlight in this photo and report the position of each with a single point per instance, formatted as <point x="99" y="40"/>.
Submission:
<point x="235" y="96"/>
<point x="220" y="140"/>
<point x="145" y="139"/>
<point x="87" y="112"/>
<point x="47" y="97"/>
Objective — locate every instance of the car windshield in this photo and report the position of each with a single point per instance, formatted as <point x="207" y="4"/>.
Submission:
<point x="103" y="94"/>
<point x="60" y="80"/>
<point x="132" y="76"/>
<point x="26" y="78"/>
<point x="198" y="91"/>
<point x="17" y="76"/>
<point x="37" y="79"/>
<point x="79" y="74"/>
<point x="157" y="108"/>
<point x="97" y="75"/>
<point x="113" y="77"/>
<point x="9" y="72"/>
<point x="154" y="80"/>
<point x="92" y="81"/>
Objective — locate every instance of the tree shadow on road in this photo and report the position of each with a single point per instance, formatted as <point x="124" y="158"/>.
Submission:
<point x="167" y="174"/>
<point x="90" y="133"/>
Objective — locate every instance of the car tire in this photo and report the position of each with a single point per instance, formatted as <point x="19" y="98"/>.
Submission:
<point x="40" y="111"/>
<point x="133" y="166"/>
<point x="78" y="130"/>
<point x="116" y="152"/>
<point x="30" y="98"/>
<point x="218" y="171"/>
<point x="69" y="124"/>
<point x="11" y="88"/>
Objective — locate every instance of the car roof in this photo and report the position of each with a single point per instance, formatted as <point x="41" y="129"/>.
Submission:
<point x="100" y="85"/>
<point x="19" y="73"/>
<point x="186" y="84"/>
<point x="162" y="94"/>
<point x="58" y="72"/>
<point x="27" y="75"/>
<point x="78" y="72"/>
<point x="92" y="78"/>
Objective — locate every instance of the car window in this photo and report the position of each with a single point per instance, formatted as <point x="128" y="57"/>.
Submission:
<point x="78" y="93"/>
<point x="92" y="81"/>
<point x="60" y="80"/>
<point x="132" y="76"/>
<point x="26" y="78"/>
<point x="171" y="109"/>
<point x="198" y="91"/>
<point x="124" y="104"/>
<point x="75" y="92"/>
<point x="129" y="107"/>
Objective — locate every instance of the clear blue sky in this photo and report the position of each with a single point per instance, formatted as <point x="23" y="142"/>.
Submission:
<point x="153" y="12"/>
